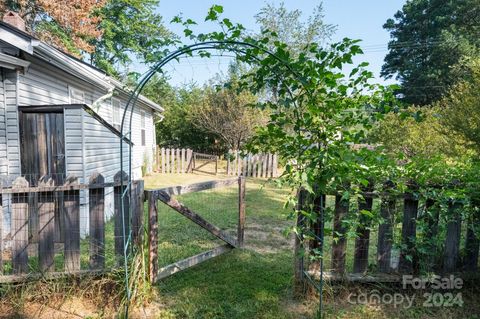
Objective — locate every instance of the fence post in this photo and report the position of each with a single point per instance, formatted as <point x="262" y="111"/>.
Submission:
<point x="96" y="205"/>
<point x="46" y="225"/>
<point x="432" y="215"/>
<point x="20" y="227"/>
<point x="188" y="160"/>
<point x="408" y="257"/>
<point x="241" y="211"/>
<point x="179" y="161"/>
<point x="152" y="236"/>
<point x="216" y="165"/>
<point x="362" y="242"/>
<point x="71" y="212"/>
<point x="265" y="165"/>
<point x="137" y="210"/>
<point x="318" y="226"/>
<point x="120" y="222"/>
<point x="299" y="266"/>
<point x="385" y="231"/>
<point x="194" y="156"/>
<point x="339" y="244"/>
<point x="163" y="160"/>
<point x="472" y="245"/>
<point x="183" y="161"/>
<point x="167" y="160"/>
<point x="172" y="159"/>
<point x="452" y="240"/>
<point x="260" y="166"/>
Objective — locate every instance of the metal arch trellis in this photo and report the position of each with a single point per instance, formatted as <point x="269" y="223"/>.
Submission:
<point x="238" y="47"/>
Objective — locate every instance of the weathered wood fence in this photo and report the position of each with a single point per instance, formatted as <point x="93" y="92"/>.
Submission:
<point x="171" y="160"/>
<point x="181" y="161"/>
<point x="259" y="165"/>
<point x="440" y="252"/>
<point x="167" y="197"/>
<point x="200" y="163"/>
<point x="34" y="245"/>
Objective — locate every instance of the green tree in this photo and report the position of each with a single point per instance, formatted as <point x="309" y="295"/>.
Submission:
<point x="419" y="135"/>
<point x="460" y="109"/>
<point x="229" y="114"/>
<point x="132" y="30"/>
<point x="177" y="129"/>
<point x="291" y="29"/>
<point x="428" y="38"/>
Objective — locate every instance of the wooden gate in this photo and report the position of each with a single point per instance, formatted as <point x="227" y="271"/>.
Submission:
<point x="166" y="196"/>
<point x="201" y="163"/>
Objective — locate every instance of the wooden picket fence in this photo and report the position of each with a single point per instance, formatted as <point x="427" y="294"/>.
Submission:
<point x="34" y="248"/>
<point x="171" y="160"/>
<point x="389" y="261"/>
<point x="259" y="165"/>
<point x="181" y="161"/>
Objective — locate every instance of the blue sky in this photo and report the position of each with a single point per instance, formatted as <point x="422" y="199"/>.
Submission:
<point x="357" y="19"/>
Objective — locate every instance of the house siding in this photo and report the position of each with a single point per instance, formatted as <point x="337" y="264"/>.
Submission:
<point x="140" y="154"/>
<point x="11" y="121"/>
<point x="91" y="148"/>
<point x="44" y="84"/>
<point x="3" y="131"/>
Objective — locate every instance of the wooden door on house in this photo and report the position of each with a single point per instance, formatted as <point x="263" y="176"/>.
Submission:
<point x="42" y="145"/>
<point x="42" y="153"/>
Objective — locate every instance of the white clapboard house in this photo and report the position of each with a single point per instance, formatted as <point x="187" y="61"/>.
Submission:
<point x="61" y="116"/>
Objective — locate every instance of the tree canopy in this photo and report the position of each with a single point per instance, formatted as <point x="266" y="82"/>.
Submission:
<point x="429" y="37"/>
<point x="68" y="25"/>
<point x="112" y="33"/>
<point x="291" y="29"/>
<point x="460" y="109"/>
<point x="229" y="112"/>
<point x="131" y="30"/>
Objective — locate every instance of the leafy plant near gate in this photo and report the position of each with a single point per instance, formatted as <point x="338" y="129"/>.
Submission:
<point x="318" y="114"/>
<point x="320" y="118"/>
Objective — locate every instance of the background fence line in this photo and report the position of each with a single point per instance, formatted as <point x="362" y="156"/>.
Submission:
<point x="183" y="161"/>
<point x="259" y="165"/>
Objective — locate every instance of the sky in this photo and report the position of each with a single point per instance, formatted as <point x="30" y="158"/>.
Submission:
<point x="356" y="19"/>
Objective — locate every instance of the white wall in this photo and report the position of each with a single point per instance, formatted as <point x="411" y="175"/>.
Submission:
<point x="3" y="132"/>
<point x="44" y="84"/>
<point x="12" y="125"/>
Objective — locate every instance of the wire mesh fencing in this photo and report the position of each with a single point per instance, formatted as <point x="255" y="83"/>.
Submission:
<point x="56" y="224"/>
<point x="188" y="224"/>
<point x="384" y="235"/>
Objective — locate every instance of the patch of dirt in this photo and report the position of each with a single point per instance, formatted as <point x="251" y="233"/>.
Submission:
<point x="73" y="309"/>
<point x="70" y="309"/>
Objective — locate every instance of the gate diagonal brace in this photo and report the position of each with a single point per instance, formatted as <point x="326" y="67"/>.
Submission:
<point x="196" y="218"/>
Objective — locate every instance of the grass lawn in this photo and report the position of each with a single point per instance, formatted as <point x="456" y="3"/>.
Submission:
<point x="256" y="282"/>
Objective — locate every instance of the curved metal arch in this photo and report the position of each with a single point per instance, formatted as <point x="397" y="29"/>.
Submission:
<point x="227" y="45"/>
